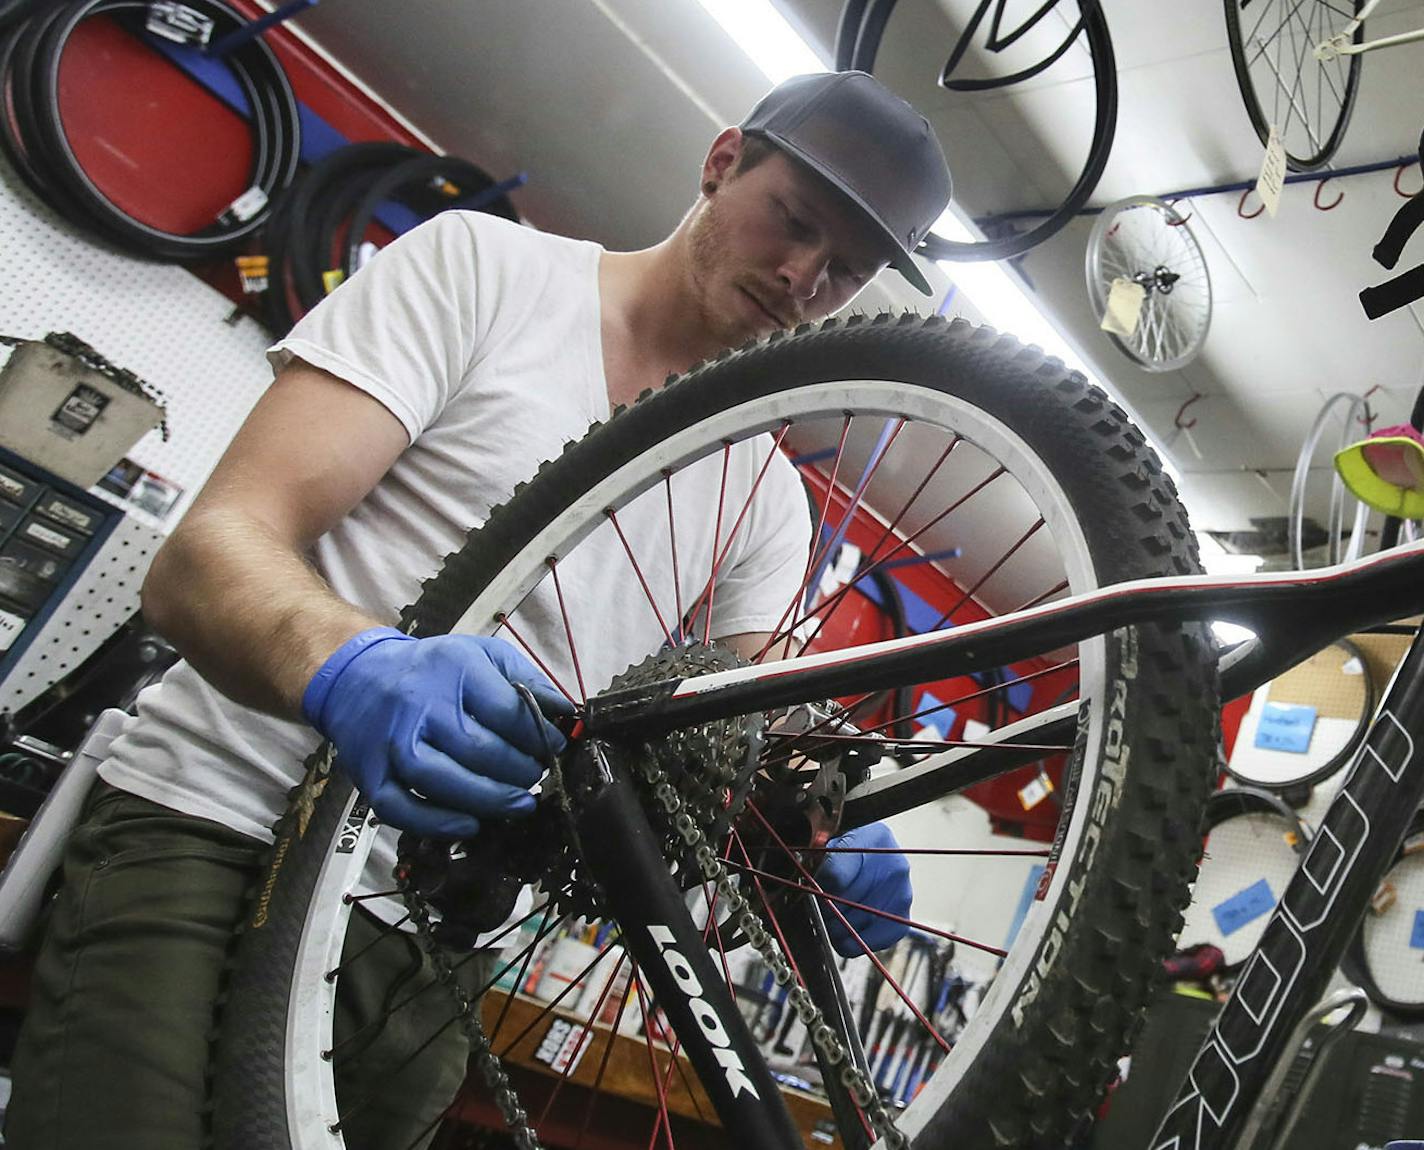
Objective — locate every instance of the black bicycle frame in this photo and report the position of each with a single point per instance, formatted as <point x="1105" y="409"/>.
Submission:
<point x="1294" y="615"/>
<point x="1312" y="925"/>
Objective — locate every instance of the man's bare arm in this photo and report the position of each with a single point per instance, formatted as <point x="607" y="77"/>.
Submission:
<point x="230" y="588"/>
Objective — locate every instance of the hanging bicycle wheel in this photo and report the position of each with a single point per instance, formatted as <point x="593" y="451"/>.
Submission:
<point x="1384" y="956"/>
<point x="924" y="431"/>
<point x="1284" y="83"/>
<point x="1253" y="844"/>
<point x="858" y="38"/>
<point x="1144" y="241"/>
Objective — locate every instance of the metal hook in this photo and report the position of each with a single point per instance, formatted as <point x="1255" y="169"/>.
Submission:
<point x="1181" y="219"/>
<point x="1398" y="172"/>
<point x="1327" y="207"/>
<point x="1181" y="411"/>
<point x="1368" y="419"/>
<point x="1241" y="206"/>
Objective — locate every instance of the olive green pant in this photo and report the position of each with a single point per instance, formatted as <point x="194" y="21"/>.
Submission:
<point x="114" y="1048"/>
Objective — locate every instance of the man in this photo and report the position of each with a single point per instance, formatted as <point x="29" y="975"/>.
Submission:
<point x="403" y="409"/>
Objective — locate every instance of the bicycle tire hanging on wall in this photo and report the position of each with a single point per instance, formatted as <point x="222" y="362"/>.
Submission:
<point x="858" y="38"/>
<point x="1146" y="241"/>
<point x="34" y="138"/>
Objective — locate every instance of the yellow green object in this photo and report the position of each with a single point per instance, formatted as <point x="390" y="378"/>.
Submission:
<point x="1386" y="471"/>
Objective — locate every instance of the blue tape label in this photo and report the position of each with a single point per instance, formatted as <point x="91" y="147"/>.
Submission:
<point x="1243" y="907"/>
<point x="942" y="721"/>
<point x="1286" y="727"/>
<point x="1416" y="940"/>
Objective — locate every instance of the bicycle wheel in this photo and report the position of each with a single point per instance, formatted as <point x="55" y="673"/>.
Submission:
<point x="1253" y="844"/>
<point x="1145" y="241"/>
<point x="862" y="26"/>
<point x="1384" y="956"/>
<point x="1282" y="83"/>
<point x="1078" y="501"/>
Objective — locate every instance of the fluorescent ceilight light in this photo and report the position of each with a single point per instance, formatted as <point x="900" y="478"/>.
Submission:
<point x="765" y="36"/>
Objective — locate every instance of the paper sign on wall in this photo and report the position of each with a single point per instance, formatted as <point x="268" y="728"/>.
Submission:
<point x="1286" y="727"/>
<point x="1243" y="907"/>
<point x="1273" y="173"/>
<point x="1125" y="300"/>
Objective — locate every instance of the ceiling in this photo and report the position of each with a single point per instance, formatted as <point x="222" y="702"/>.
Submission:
<point x="610" y="104"/>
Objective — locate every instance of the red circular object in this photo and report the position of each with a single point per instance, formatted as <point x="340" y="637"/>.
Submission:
<point x="154" y="141"/>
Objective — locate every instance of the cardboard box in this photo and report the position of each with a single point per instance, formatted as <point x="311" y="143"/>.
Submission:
<point x="66" y="417"/>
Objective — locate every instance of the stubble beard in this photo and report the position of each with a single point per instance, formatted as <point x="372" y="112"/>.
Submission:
<point x="711" y="275"/>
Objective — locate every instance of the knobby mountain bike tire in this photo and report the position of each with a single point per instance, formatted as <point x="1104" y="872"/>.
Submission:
<point x="1068" y="995"/>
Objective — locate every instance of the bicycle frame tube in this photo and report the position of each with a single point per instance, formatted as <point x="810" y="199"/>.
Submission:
<point x="1295" y="613"/>
<point x="1312" y="925"/>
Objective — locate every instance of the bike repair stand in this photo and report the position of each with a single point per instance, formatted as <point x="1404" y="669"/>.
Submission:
<point x="1281" y="1102"/>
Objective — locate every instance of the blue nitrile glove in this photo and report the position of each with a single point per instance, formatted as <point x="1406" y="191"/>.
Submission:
<point x="432" y="731"/>
<point x="878" y="880"/>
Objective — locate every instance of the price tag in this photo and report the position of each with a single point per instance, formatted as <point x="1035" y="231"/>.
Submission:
<point x="1038" y="789"/>
<point x="10" y="628"/>
<point x="247" y="206"/>
<point x="1125" y="300"/>
<point x="1286" y="727"/>
<point x="1273" y="173"/>
<point x="1243" y="907"/>
<point x="1416" y="937"/>
<point x="179" y="23"/>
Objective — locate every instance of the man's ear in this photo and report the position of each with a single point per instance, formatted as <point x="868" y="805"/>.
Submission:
<point x="721" y="159"/>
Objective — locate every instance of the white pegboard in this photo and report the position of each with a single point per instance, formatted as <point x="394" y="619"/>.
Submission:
<point x="169" y="327"/>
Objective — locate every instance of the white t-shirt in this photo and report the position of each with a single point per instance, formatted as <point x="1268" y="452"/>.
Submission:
<point x="483" y="338"/>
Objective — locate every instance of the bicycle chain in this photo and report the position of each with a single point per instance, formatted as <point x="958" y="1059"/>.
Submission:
<point x="705" y="794"/>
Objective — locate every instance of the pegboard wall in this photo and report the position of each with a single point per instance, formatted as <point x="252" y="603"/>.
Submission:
<point x="169" y="327"/>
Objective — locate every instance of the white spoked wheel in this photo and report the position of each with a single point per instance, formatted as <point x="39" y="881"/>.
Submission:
<point x="1145" y="241"/>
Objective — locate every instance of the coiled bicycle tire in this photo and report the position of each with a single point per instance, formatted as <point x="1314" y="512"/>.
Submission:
<point x="56" y="173"/>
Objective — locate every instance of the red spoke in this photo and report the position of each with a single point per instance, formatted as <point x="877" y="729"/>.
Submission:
<point x="766" y="905"/>
<point x="828" y="603"/>
<point x="1063" y="586"/>
<point x="855" y="934"/>
<point x="851" y="506"/>
<point x="663" y="1117"/>
<point x="820" y="893"/>
<point x="710" y="593"/>
<point x="543" y="932"/>
<point x="568" y="631"/>
<point x="787" y="754"/>
<point x="558" y="998"/>
<point x="504" y="621"/>
<point x="672" y="543"/>
<point x="1043" y="854"/>
<point x="586" y="1027"/>
<point x="720" y="557"/>
<point x="710" y="893"/>
<point x="602" y="1068"/>
<point x="799" y="595"/>
<point x="1009" y="554"/>
<point x="913" y="745"/>
<point x="638" y="571"/>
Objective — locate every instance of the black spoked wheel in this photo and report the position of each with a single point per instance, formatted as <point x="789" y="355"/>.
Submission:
<point x="922" y="438"/>
<point x="862" y="27"/>
<point x="1282" y="80"/>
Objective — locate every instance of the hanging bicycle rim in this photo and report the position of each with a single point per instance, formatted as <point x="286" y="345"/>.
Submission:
<point x="858" y="38"/>
<point x="1283" y="84"/>
<point x="1144" y="242"/>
